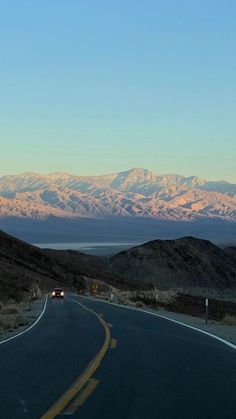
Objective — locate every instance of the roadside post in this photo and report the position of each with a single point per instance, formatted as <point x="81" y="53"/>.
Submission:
<point x="95" y="289"/>
<point x="156" y="297"/>
<point x="111" y="297"/>
<point x="206" y="312"/>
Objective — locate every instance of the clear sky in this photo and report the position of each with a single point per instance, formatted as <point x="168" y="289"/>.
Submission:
<point x="95" y="86"/>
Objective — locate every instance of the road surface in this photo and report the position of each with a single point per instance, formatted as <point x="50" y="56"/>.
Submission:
<point x="116" y="364"/>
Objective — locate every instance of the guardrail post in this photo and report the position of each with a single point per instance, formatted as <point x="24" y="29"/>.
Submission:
<point x="206" y="312"/>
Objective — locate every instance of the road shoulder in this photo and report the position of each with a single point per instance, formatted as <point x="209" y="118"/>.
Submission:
<point x="22" y="318"/>
<point x="218" y="329"/>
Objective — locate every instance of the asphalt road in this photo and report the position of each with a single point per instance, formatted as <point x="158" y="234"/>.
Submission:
<point x="153" y="368"/>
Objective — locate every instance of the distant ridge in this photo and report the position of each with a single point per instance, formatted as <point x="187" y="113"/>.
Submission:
<point x="134" y="193"/>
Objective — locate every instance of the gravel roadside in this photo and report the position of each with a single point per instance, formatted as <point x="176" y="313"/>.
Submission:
<point x="216" y="328"/>
<point x="30" y="313"/>
<point x="224" y="331"/>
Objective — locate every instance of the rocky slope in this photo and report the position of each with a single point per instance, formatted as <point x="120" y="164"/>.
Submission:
<point x="137" y="192"/>
<point x="185" y="262"/>
<point x="25" y="268"/>
<point x="181" y="263"/>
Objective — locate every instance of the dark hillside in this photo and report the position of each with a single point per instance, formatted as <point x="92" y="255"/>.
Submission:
<point x="172" y="263"/>
<point x="186" y="262"/>
<point x="22" y="266"/>
<point x="231" y="251"/>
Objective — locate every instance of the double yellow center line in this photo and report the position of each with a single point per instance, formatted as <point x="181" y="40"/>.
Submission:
<point x="84" y="378"/>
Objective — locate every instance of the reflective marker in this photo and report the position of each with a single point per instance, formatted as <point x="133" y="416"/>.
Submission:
<point x="206" y="301"/>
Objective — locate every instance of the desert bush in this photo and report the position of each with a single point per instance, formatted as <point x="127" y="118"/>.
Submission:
<point x="229" y="320"/>
<point x="11" y="321"/>
<point x="139" y="304"/>
<point x="6" y="322"/>
<point x="11" y="309"/>
<point x="21" y="321"/>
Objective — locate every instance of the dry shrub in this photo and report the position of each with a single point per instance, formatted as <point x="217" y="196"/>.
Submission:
<point x="139" y="304"/>
<point x="166" y="296"/>
<point x="229" y="320"/>
<point x="10" y="322"/>
<point x="11" y="309"/>
<point x="21" y="321"/>
<point x="6" y="322"/>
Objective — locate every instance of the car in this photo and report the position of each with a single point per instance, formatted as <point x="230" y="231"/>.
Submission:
<point x="57" y="293"/>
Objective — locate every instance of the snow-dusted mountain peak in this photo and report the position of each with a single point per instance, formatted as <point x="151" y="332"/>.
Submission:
<point x="135" y="192"/>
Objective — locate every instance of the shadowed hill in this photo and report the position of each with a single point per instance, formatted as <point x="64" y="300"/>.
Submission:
<point x="183" y="262"/>
<point x="186" y="262"/>
<point x="22" y="266"/>
<point x="231" y="251"/>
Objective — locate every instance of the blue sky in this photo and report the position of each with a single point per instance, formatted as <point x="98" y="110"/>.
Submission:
<point x="92" y="87"/>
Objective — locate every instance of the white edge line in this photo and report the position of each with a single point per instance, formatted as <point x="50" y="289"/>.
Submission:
<point x="226" y="342"/>
<point x="30" y="327"/>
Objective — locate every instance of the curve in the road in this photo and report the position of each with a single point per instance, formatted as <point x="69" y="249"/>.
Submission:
<point x="161" y="370"/>
<point x="86" y="375"/>
<point x="224" y="341"/>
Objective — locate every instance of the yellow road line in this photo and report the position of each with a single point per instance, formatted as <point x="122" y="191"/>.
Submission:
<point x="81" y="399"/>
<point x="113" y="343"/>
<point x="60" y="404"/>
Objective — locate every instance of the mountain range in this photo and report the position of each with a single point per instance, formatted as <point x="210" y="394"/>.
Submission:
<point x="134" y="193"/>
